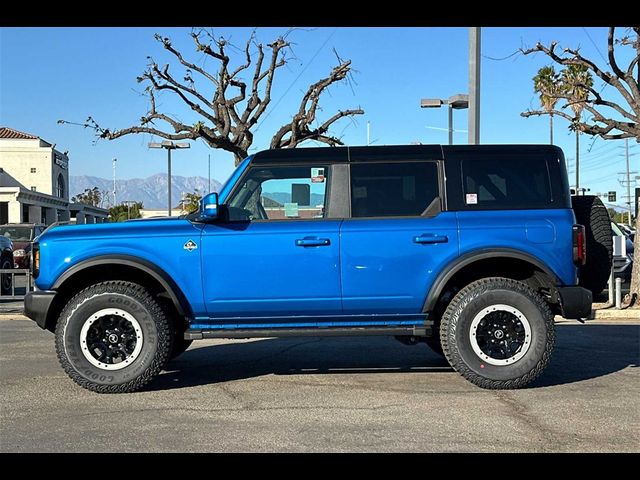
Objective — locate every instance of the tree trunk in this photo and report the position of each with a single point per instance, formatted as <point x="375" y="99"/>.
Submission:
<point x="551" y="129"/>
<point x="634" y="290"/>
<point x="577" y="160"/>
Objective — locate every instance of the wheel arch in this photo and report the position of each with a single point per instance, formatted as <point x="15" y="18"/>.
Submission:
<point x="114" y="267"/>
<point x="473" y="266"/>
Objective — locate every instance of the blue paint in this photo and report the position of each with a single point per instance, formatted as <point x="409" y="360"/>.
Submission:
<point x="316" y="272"/>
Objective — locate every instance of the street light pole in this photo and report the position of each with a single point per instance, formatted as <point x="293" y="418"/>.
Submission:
<point x="114" y="181"/>
<point x="168" y="145"/>
<point x="450" y="124"/>
<point x="169" y="180"/>
<point x="209" y="161"/>
<point x="457" y="102"/>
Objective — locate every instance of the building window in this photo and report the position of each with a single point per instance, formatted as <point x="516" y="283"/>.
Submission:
<point x="60" y="187"/>
<point x="33" y="169"/>
<point x="33" y="189"/>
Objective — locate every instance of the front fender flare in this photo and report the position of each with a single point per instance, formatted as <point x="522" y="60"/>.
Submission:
<point x="175" y="293"/>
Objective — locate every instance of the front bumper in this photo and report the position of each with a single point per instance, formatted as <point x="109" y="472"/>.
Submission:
<point x="575" y="302"/>
<point x="37" y="305"/>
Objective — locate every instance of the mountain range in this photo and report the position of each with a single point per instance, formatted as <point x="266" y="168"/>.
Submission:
<point x="151" y="191"/>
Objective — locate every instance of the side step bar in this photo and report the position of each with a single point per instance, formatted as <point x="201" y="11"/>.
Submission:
<point x="198" y="334"/>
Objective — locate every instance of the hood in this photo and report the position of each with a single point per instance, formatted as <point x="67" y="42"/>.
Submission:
<point x="149" y="227"/>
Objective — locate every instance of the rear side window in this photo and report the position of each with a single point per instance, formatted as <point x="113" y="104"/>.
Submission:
<point x="393" y="189"/>
<point x="503" y="183"/>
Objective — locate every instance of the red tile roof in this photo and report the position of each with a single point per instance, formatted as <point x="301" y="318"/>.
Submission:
<point x="6" y="132"/>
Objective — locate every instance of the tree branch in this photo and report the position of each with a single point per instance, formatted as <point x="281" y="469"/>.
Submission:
<point x="216" y="107"/>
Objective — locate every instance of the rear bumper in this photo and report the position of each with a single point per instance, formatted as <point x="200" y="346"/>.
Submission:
<point x="37" y="304"/>
<point x="575" y="302"/>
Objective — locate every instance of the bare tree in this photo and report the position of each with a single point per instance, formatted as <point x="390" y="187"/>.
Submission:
<point x="610" y="119"/>
<point x="227" y="105"/>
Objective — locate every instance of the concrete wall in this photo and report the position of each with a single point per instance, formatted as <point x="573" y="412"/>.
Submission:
<point x="18" y="157"/>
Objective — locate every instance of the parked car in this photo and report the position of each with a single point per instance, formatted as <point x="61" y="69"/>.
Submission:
<point x="623" y="265"/>
<point x="628" y="231"/>
<point x="471" y="249"/>
<point x="6" y="263"/>
<point x="22" y="236"/>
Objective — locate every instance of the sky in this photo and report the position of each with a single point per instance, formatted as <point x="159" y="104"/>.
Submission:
<point x="47" y="74"/>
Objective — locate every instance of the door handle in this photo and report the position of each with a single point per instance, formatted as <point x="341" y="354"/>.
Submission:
<point x="312" y="242"/>
<point x="430" y="238"/>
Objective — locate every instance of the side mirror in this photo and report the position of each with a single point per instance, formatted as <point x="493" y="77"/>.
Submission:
<point x="209" y="207"/>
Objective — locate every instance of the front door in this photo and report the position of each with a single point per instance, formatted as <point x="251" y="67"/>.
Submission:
<point x="397" y="239"/>
<point x="276" y="256"/>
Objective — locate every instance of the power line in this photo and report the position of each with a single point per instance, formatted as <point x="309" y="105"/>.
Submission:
<point x="296" y="79"/>
<point x="594" y="44"/>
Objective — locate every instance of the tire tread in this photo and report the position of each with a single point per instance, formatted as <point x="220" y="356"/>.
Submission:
<point x="448" y="341"/>
<point x="163" y="325"/>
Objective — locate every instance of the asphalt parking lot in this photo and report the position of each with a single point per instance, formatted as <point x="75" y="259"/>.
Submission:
<point x="327" y="394"/>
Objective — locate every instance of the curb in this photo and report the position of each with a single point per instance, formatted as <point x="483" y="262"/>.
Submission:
<point x="611" y="312"/>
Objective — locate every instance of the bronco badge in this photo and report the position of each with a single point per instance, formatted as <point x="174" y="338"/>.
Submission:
<point x="190" y="245"/>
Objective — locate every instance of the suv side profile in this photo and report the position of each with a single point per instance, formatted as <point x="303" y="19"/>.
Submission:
<point x="471" y="249"/>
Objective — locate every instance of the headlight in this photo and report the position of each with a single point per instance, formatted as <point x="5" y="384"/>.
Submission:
<point x="35" y="259"/>
<point x="19" y="253"/>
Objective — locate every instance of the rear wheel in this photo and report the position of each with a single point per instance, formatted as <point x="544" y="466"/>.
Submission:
<point x="498" y="333"/>
<point x="113" y="337"/>
<point x="591" y="212"/>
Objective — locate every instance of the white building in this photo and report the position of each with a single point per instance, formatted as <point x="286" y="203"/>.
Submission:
<point x="34" y="183"/>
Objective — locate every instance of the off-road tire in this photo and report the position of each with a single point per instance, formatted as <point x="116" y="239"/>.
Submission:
<point x="5" y="278"/>
<point x="136" y="301"/>
<point x="455" y="333"/>
<point x="591" y="212"/>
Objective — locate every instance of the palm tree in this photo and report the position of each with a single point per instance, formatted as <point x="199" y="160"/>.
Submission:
<point x="547" y="84"/>
<point x="576" y="81"/>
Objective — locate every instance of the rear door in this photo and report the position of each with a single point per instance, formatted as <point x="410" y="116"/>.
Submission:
<point x="397" y="239"/>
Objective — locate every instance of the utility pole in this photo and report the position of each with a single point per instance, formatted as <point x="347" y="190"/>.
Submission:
<point x="474" y="85"/>
<point x="114" y="181"/>
<point x="368" y="133"/>
<point x="627" y="180"/>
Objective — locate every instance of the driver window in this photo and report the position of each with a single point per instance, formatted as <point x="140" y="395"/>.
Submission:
<point x="281" y="193"/>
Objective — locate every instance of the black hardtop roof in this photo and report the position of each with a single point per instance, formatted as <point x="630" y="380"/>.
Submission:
<point x="391" y="152"/>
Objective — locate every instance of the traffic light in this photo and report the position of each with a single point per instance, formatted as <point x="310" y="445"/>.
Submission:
<point x="612" y="196"/>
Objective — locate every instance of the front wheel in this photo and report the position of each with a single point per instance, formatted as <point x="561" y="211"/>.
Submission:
<point x="113" y="337"/>
<point x="498" y="333"/>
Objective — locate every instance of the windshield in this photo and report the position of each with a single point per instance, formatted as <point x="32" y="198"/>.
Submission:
<point x="16" y="234"/>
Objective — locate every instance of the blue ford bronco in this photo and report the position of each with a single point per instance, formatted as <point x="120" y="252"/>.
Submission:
<point x="469" y="249"/>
